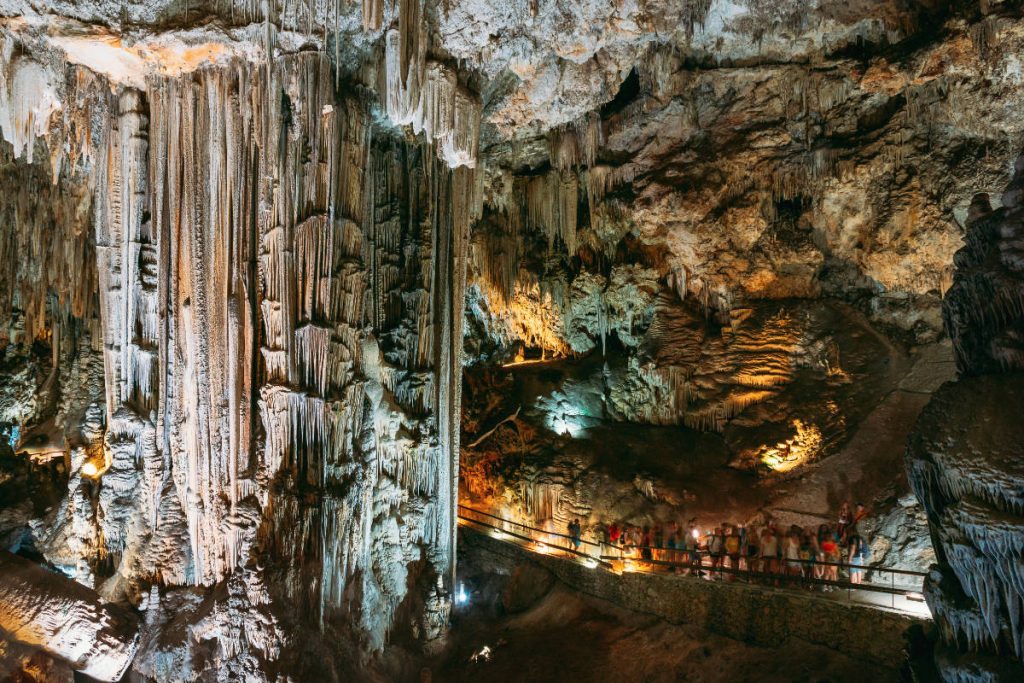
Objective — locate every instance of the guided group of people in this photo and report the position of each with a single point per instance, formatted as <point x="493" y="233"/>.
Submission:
<point x="821" y="553"/>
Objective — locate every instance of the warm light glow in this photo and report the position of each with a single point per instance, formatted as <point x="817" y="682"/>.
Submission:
<point x="531" y="315"/>
<point x="802" y="447"/>
<point x="696" y="533"/>
<point x="89" y="470"/>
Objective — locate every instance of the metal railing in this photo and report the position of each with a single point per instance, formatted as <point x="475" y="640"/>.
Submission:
<point x="794" y="573"/>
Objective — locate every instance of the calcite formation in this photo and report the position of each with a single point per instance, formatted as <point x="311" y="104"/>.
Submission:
<point x="274" y="283"/>
<point x="43" y="609"/>
<point x="966" y="455"/>
<point x="242" y="245"/>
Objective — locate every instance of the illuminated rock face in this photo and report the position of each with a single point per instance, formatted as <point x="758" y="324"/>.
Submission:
<point x="278" y="284"/>
<point x="42" y="609"/>
<point x="966" y="457"/>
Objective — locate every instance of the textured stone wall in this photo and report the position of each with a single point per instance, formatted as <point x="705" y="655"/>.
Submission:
<point x="966" y="454"/>
<point x="67" y="620"/>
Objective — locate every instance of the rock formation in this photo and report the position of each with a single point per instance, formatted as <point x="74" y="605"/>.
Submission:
<point x="966" y="455"/>
<point x="275" y="286"/>
<point x="248" y="248"/>
<point x="39" y="608"/>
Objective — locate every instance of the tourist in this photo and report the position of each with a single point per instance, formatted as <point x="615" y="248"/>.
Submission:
<point x="860" y="513"/>
<point x="732" y="548"/>
<point x="845" y="520"/>
<point x="692" y="541"/>
<point x="575" y="532"/>
<point x="716" y="546"/>
<point x="791" y="551"/>
<point x="858" y="556"/>
<point x="812" y="537"/>
<point x="742" y="531"/>
<point x="822" y="557"/>
<point x="673" y="534"/>
<point x="645" y="543"/>
<point x="769" y="550"/>
<point x="807" y="555"/>
<point x="830" y="553"/>
<point x="613" y="533"/>
<point x="753" y="548"/>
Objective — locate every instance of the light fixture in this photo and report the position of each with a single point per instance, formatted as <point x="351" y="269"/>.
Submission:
<point x="89" y="470"/>
<point x="462" y="597"/>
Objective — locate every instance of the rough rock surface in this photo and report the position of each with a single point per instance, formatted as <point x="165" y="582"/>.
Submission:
<point x="271" y="281"/>
<point x="966" y="455"/>
<point x="42" y="609"/>
<point x="567" y="453"/>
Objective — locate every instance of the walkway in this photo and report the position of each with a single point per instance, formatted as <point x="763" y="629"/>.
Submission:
<point x="883" y="588"/>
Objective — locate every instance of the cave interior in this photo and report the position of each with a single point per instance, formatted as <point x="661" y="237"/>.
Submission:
<point x="408" y="340"/>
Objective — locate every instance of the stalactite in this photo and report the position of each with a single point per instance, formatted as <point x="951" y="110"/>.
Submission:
<point x="251" y="240"/>
<point x="551" y="205"/>
<point x="576" y="144"/>
<point x="425" y="94"/>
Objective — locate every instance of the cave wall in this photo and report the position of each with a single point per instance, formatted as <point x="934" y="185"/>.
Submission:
<point x="965" y="455"/>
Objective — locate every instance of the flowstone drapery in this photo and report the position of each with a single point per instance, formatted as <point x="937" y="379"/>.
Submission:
<point x="280" y="294"/>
